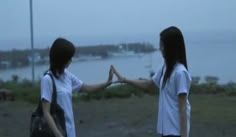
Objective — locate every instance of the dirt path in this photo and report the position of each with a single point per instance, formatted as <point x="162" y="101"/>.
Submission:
<point x="133" y="117"/>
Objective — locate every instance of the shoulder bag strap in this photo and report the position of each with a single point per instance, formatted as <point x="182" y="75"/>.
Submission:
<point x="54" y="93"/>
<point x="54" y="96"/>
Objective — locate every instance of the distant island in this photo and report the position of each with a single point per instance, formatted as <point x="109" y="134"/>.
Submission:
<point x="21" y="58"/>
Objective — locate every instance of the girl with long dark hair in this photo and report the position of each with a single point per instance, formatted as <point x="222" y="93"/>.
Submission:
<point x="173" y="81"/>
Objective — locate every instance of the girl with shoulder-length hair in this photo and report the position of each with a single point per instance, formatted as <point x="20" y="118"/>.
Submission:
<point x="60" y="57"/>
<point x="173" y="81"/>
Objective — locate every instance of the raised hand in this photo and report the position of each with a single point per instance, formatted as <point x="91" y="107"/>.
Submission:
<point x="119" y="76"/>
<point x="110" y="77"/>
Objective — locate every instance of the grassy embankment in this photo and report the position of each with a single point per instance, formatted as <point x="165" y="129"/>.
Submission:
<point x="126" y="111"/>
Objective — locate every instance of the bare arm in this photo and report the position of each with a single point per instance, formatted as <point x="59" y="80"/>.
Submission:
<point x="46" y="112"/>
<point x="183" y="114"/>
<point x="143" y="84"/>
<point x="97" y="87"/>
<point x="140" y="83"/>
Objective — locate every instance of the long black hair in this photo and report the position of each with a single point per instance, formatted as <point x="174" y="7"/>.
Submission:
<point x="173" y="48"/>
<point x="61" y="53"/>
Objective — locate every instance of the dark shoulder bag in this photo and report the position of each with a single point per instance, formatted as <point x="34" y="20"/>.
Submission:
<point x="38" y="124"/>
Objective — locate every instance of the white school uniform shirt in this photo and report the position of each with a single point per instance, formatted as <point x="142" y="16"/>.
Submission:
<point x="66" y="83"/>
<point x="168" y="111"/>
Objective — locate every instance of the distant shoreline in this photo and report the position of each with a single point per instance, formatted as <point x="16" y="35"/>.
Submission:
<point x="21" y="58"/>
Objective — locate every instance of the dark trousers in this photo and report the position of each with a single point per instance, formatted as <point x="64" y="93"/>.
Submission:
<point x="171" y="136"/>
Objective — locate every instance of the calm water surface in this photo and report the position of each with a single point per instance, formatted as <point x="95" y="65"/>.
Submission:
<point x="215" y="60"/>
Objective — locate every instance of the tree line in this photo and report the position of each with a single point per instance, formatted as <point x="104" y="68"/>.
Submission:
<point x="20" y="58"/>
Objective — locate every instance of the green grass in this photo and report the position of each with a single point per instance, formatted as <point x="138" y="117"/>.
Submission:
<point x="26" y="91"/>
<point x="214" y="108"/>
<point x="212" y="116"/>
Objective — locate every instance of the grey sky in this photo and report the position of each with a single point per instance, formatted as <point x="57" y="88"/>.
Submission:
<point x="78" y="19"/>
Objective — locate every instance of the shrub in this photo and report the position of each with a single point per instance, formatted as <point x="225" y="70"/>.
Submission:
<point x="29" y="92"/>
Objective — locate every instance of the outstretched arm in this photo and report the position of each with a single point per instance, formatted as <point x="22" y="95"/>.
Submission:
<point x="140" y="83"/>
<point x="97" y="87"/>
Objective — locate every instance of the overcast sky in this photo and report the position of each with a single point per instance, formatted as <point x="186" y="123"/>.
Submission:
<point x="108" y="19"/>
